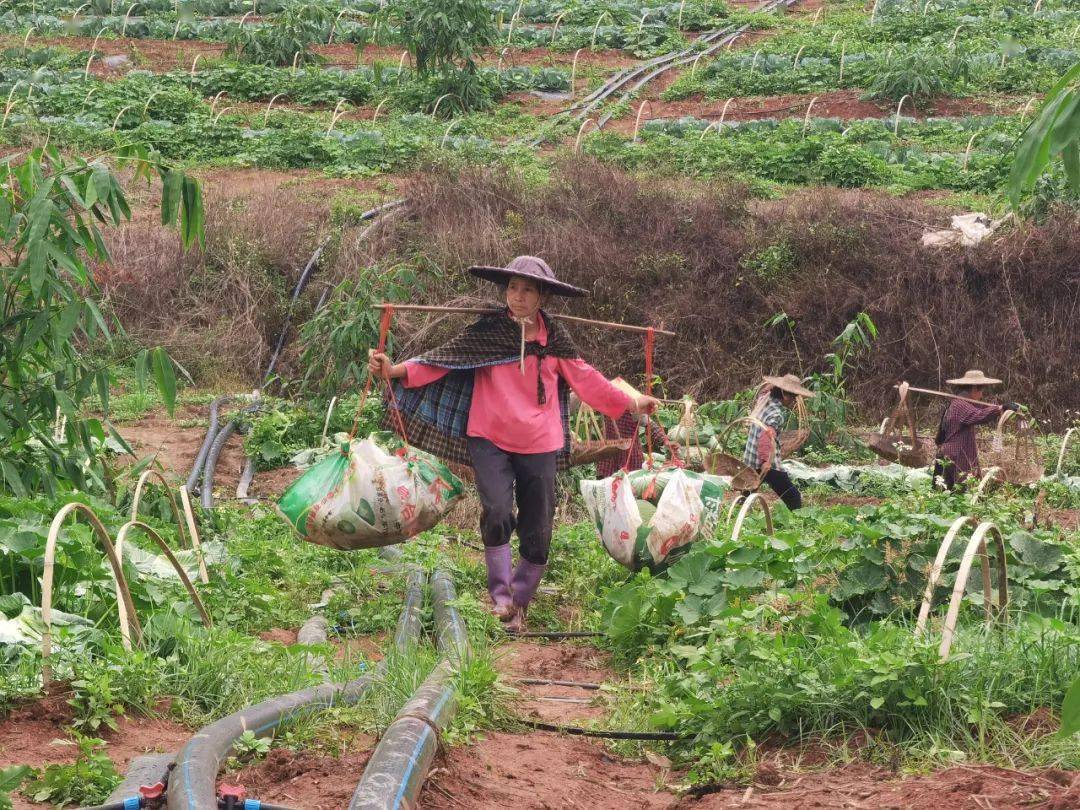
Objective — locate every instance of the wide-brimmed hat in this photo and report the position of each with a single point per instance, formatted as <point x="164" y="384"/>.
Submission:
<point x="528" y="267"/>
<point x="789" y="383"/>
<point x="974" y="377"/>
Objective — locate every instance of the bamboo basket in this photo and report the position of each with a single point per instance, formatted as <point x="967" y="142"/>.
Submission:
<point x="693" y="453"/>
<point x="791" y="441"/>
<point x="889" y="443"/>
<point x="1016" y="455"/>
<point x="587" y="441"/>
<point x="720" y="462"/>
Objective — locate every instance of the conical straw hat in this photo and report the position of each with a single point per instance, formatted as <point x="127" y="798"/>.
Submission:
<point x="974" y="377"/>
<point x="789" y="383"/>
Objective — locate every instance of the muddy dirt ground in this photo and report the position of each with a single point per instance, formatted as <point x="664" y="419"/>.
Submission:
<point x="35" y="734"/>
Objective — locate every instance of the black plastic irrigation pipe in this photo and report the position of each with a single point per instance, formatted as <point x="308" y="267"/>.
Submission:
<point x="399" y="765"/>
<point x="207" y="489"/>
<point x="577" y="731"/>
<point x="193" y="780"/>
<point x="211" y="432"/>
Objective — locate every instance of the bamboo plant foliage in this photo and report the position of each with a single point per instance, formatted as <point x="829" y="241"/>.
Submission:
<point x="1054" y="132"/>
<point x="52" y="208"/>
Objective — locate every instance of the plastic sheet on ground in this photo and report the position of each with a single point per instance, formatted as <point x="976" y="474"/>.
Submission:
<point x="847" y="477"/>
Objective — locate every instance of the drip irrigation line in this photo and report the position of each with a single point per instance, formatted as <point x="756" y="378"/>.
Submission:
<point x="557" y="634"/>
<point x="607" y="734"/>
<point x="550" y="682"/>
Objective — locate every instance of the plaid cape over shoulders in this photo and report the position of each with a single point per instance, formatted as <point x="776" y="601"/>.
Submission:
<point x="436" y="415"/>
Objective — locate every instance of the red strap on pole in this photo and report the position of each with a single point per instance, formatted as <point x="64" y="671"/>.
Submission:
<point x="384" y="332"/>
<point x="650" y="342"/>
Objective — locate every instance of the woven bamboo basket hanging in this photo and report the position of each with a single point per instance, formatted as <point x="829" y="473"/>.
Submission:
<point x="720" y="462"/>
<point x="1016" y="454"/>
<point x="792" y="440"/>
<point x="891" y="444"/>
<point x="588" y="443"/>
<point x="687" y="434"/>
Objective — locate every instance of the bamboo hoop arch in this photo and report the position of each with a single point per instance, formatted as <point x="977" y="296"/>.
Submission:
<point x="988" y="476"/>
<point x="581" y="131"/>
<point x="125" y="608"/>
<point x="734" y="505"/>
<point x="193" y="533"/>
<point x="157" y="538"/>
<point x="976" y="543"/>
<point x="806" y="118"/>
<point x="573" y="70"/>
<point x="751" y="499"/>
<point x="637" y="121"/>
<point x="935" y="570"/>
<point x="1064" y="445"/>
<point x="137" y="499"/>
<point x="896" y="118"/>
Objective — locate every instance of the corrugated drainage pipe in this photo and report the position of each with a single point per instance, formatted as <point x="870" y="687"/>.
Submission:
<point x="192" y="785"/>
<point x="399" y="765"/>
<point x="218" y="445"/>
<point x="211" y="433"/>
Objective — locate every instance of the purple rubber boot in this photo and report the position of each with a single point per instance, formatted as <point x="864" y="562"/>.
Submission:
<point x="526" y="580"/>
<point x="498" y="580"/>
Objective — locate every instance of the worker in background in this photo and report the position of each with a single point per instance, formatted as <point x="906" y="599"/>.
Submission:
<point x="767" y="418"/>
<point x="957" y="453"/>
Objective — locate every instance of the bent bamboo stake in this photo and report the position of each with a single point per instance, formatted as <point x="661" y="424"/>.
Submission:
<point x="147" y="474"/>
<point x="488" y="311"/>
<point x="193" y="532"/>
<point x="976" y="543"/>
<point x="157" y="538"/>
<point x="935" y="570"/>
<point x="751" y="499"/>
<point x="1064" y="445"/>
<point x="988" y="476"/>
<point x="125" y="608"/>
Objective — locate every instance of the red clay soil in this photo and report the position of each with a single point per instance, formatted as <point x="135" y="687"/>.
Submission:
<point x="175" y="448"/>
<point x="564" y="662"/>
<point x="279" y="635"/>
<point x="304" y="779"/>
<point x="875" y="788"/>
<point x="539" y="770"/>
<point x="35" y="734"/>
<point x="843" y="104"/>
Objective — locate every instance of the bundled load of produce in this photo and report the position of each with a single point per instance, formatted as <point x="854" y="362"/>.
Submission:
<point x="362" y="496"/>
<point x="646" y="518"/>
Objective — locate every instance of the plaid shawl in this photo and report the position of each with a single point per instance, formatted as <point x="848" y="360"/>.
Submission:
<point x="436" y="415"/>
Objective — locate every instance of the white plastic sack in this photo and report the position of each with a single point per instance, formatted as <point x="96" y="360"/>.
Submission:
<point x="369" y="497"/>
<point x="678" y="520"/>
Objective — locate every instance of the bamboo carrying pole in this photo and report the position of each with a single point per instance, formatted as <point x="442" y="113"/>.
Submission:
<point x="946" y="395"/>
<point x="488" y="311"/>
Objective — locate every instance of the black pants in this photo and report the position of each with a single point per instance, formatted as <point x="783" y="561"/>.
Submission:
<point x="780" y="483"/>
<point x="946" y="470"/>
<point x="502" y="476"/>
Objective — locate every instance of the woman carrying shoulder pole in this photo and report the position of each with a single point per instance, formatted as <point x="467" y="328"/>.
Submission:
<point x="496" y="398"/>
<point x="957" y="454"/>
<point x="762" y="452"/>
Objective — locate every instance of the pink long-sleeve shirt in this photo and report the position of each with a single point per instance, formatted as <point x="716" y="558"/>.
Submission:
<point x="504" y="409"/>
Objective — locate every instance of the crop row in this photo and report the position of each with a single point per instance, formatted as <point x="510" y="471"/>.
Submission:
<point x="65" y="85"/>
<point x="640" y="38"/>
<point x="901" y="155"/>
<point x="890" y="74"/>
<point x="694" y="15"/>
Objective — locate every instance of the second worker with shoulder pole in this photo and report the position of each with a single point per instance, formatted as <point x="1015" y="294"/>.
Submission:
<point x="762" y="453"/>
